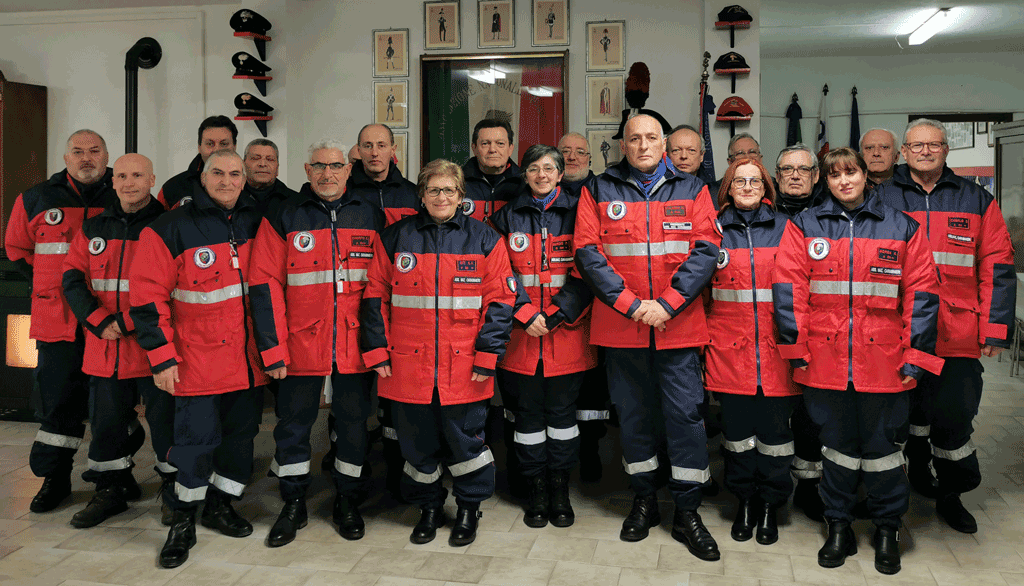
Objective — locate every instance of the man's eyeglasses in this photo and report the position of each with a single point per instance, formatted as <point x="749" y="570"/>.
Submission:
<point x="750" y="153"/>
<point x="319" y="167"/>
<point x="580" y="153"/>
<point x="789" y="170"/>
<point x="437" y="191"/>
<point x="754" y="182"/>
<point x="934" y="147"/>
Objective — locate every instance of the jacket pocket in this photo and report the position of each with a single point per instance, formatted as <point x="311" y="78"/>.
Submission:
<point x="461" y="372"/>
<point x="881" y="359"/>
<point x="212" y="361"/>
<point x="412" y="370"/>
<point x="827" y="288"/>
<point x="467" y="302"/>
<point x="307" y="343"/>
<point x="958" y="319"/>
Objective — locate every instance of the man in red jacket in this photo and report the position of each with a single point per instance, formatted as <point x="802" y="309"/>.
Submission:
<point x="43" y="222"/>
<point x="215" y="133"/>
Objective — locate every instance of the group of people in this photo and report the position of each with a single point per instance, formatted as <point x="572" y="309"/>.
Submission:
<point x="832" y="321"/>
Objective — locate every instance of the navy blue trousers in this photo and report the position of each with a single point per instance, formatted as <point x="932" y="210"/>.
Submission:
<point x="758" y="445"/>
<point x="116" y="433"/>
<point x="160" y="417"/>
<point x="807" y="461"/>
<point x="60" y="397"/>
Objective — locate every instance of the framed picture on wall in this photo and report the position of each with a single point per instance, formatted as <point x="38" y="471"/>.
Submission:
<point x="604" y="98"/>
<point x="550" y="20"/>
<point x="402" y="151"/>
<point x="441" y="26"/>
<point x="606" y="45"/>
<point x="391" y="53"/>
<point x="496" y="25"/>
<point x="960" y="135"/>
<point x="604" y="150"/>
<point x="391" y="103"/>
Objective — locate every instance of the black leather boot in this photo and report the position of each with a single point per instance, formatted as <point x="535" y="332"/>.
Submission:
<point x="841" y="542"/>
<point x="349" y="520"/>
<point x="689" y="529"/>
<point x="109" y="501"/>
<point x="887" y="550"/>
<point x="955" y="515"/>
<point x="807" y="499"/>
<point x="180" y="538"/>
<point x="167" y="480"/>
<point x="921" y="478"/>
<point x="560" y="512"/>
<point x="431" y="519"/>
<point x="767" y="525"/>
<point x="54" y="490"/>
<point x="219" y="515"/>
<point x="292" y="518"/>
<point x="464" y="529"/>
<point x="746" y="519"/>
<point x="641" y="518"/>
<point x="536" y="513"/>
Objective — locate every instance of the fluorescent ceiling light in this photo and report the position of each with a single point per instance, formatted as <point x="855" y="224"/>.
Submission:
<point x="938" y="21"/>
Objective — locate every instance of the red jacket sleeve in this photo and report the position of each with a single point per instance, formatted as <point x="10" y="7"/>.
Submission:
<point x="78" y="290"/>
<point x="19" y="241"/>
<point x="153" y="276"/>
<point x="267" y="280"/>
<point x="920" y="289"/>
<point x="997" y="280"/>
<point x="374" y="309"/>
<point x="791" y="294"/>
<point x="498" y="297"/>
<point x="606" y="283"/>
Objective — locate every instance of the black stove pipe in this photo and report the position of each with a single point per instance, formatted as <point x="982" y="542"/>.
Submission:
<point x="146" y="54"/>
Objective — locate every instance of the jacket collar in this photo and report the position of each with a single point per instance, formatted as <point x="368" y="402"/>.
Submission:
<point x="360" y="177"/>
<point x="310" y="198"/>
<point x="458" y="221"/>
<point x="203" y="201"/>
<point x="731" y="216"/>
<point x="472" y="170"/>
<point x="524" y="199"/>
<point x="622" y="172"/>
<point x="831" y="206"/>
<point x="151" y="210"/>
<point x="901" y="176"/>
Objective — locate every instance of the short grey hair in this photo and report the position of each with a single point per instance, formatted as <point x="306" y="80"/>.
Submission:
<point x="576" y="134"/>
<point x="895" y="139"/>
<point x="793" y="148"/>
<point x="739" y="137"/>
<point x="328" y="143"/>
<point x="691" y="129"/>
<point x="221" y="154"/>
<point x="67" y="149"/>
<point x="261" y="142"/>
<point x="925" y="122"/>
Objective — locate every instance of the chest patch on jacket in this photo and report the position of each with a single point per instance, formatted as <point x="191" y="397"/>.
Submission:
<point x="564" y="246"/>
<point x="723" y="258"/>
<point x="304" y="241"/>
<point x="518" y="241"/>
<point x="405" y="262"/>
<point x="888" y="254"/>
<point x="204" y="258"/>
<point x="54" y="216"/>
<point x="960" y="238"/>
<point x="97" y="245"/>
<point x="470" y="280"/>
<point x="677" y="225"/>
<point x="960" y="223"/>
<point x="617" y="210"/>
<point x="818" y="248"/>
<point x="361" y="241"/>
<point x="675" y="210"/>
<point x="466" y="265"/>
<point x="887" y="271"/>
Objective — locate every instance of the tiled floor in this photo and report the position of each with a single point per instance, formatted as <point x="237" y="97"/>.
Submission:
<point x="45" y="550"/>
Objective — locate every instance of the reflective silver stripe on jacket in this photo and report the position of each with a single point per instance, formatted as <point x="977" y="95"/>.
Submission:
<point x="296" y="469"/>
<point x="52" y="247"/>
<point x="741" y="446"/>
<point x="954" y="455"/>
<point x="841" y="459"/>
<point x="347" y="469"/>
<point x="859" y="288"/>
<point x="443" y="302"/>
<point x="920" y="430"/>
<point x="563" y="434"/>
<point x="781" y="450"/>
<point x="189" y="495"/>
<point x="534" y="281"/>
<point x="421" y="477"/>
<point x="592" y="414"/>
<point x="110" y="285"/>
<point x="226" y="485"/>
<point x="58" y="441"/>
<point x="321" y="277"/>
<point x="109" y="465"/>
<point x="691" y="474"/>
<point x="210" y="297"/>
<point x="530" y="439"/>
<point x="890" y="462"/>
<point x="741" y="295"/>
<point x="640" y="467"/>
<point x="951" y="259"/>
<point x="463" y="468"/>
<point x="640" y="248"/>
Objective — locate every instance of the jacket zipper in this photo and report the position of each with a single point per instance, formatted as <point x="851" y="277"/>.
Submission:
<point x="117" y="296"/>
<point x="437" y="303"/>
<point x="753" y="290"/>
<point x="245" y="312"/>
<point x="849" y="346"/>
<point x="543" y="266"/>
<point x="334" y="272"/>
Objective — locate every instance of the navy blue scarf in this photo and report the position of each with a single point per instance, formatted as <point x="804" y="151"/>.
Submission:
<point x="647" y="181"/>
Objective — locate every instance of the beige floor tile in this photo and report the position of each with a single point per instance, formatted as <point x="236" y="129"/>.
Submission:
<point x="1013" y="579"/>
<point x="516" y="572"/>
<point x="31" y="561"/>
<point x="627" y="555"/>
<point x="86" y="565"/>
<point x="947" y="576"/>
<point x="202" y="573"/>
<point x="562" y="549"/>
<point x="505" y="545"/>
<point x="716" y="580"/>
<point x="391" y="562"/>
<point x="43" y="535"/>
<point x="328" y="578"/>
<point x="909" y="574"/>
<point x="927" y="550"/>
<point x="334" y="557"/>
<point x="989" y="556"/>
<point x="806" y="569"/>
<point x="100" y="539"/>
<point x="677" y="558"/>
<point x="143" y="571"/>
<point x="765" y="566"/>
<point x="575" y="574"/>
<point x="264" y="576"/>
<point x="637" y="577"/>
<point x="776" y="583"/>
<point x="10" y="527"/>
<point x="255" y="552"/>
<point x="399" y="581"/>
<point x="453" y="567"/>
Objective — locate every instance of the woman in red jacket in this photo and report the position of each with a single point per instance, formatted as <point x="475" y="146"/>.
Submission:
<point x="744" y="368"/>
<point x="856" y="305"/>
<point x="542" y="371"/>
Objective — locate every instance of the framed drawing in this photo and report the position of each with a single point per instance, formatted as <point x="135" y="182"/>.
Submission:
<point x="391" y="53"/>
<point x="402" y="151"/>
<point x="606" y="45"/>
<point x="604" y="149"/>
<point x="960" y="135"/>
<point x="604" y="98"/>
<point x="496" y="25"/>
<point x="441" y="26"/>
<point x="391" y="103"/>
<point x="550" y="20"/>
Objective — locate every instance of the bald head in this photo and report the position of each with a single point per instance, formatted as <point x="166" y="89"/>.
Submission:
<point x="643" y="141"/>
<point x="133" y="181"/>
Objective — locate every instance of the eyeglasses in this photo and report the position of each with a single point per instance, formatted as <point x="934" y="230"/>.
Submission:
<point x="320" y="167"/>
<point x="934" y="147"/>
<point x="751" y="152"/>
<point x="437" y="191"/>
<point x="754" y="182"/>
<point x="580" y="153"/>
<point x="546" y="169"/>
<point x="789" y="170"/>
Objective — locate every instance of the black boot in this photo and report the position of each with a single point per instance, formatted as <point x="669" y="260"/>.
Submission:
<point x="166" y="489"/>
<point x="464" y="529"/>
<point x="109" y="501"/>
<point x="887" y="550"/>
<point x="349" y="520"/>
<point x="921" y="478"/>
<point x="292" y="518"/>
<point x="431" y="519"/>
<point x="536" y="513"/>
<point x="54" y="490"/>
<point x="710" y="488"/>
<point x="954" y="514"/>
<point x="746" y="519"/>
<point x="129" y="486"/>
<point x="807" y="499"/>
<point x="180" y="538"/>
<point x="689" y="529"/>
<point x="767" y="525"/>
<point x="641" y="518"/>
<point x="560" y="511"/>
<point x="327" y="463"/>
<point x="219" y="515"/>
<point x="841" y="542"/>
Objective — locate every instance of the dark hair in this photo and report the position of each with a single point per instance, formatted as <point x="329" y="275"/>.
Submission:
<point x="492" y="123"/>
<point x="538" y="152"/>
<point x="391" y="134"/>
<point x="219" y="122"/>
<point x="843" y="158"/>
<point x="725" y="198"/>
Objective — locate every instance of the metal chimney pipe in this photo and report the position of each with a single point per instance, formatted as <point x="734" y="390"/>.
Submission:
<point x="146" y="54"/>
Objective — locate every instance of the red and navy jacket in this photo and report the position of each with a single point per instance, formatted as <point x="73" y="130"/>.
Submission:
<point x="973" y="253"/>
<point x="856" y="298"/>
<point x="395" y="196"/>
<point x="306" y="279"/>
<point x="182" y="185"/>
<point x="576" y="187"/>
<point x="743" y="354"/>
<point x="96" y="288"/>
<point x="483" y="197"/>
<point x="270" y="196"/>
<point x="189" y="296"/>
<point x="539" y="243"/>
<point x="630" y="247"/>
<point x="44" y="221"/>
<point x="438" y="306"/>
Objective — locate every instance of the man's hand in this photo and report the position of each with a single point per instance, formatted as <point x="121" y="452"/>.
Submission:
<point x="383" y="371"/>
<point x="165" y="379"/>
<point x="641" y="311"/>
<point x="656" y="315"/>
<point x="991" y="351"/>
<point x="112" y="331"/>
<point x="479" y="378"/>
<point x="278" y="373"/>
<point x="907" y="379"/>
<point x="539" y="327"/>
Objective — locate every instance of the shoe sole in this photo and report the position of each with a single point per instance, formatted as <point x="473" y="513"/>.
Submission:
<point x="278" y="543"/>
<point x="352" y="535"/>
<point x="109" y="514"/>
<point x="889" y="571"/>
<point x="535" y="523"/>
<point x="461" y="542"/>
<point x="763" y="541"/>
<point x="564" y="522"/>
<point x="224" y="532"/>
<point x="712" y="557"/>
<point x="836" y="564"/>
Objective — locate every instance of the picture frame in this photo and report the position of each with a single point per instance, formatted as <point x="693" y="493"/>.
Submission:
<point x="959" y="135"/>
<point x="496" y="24"/>
<point x="605" y="98"/>
<point x="402" y="152"/>
<point x="606" y="45"/>
<point x="391" y="52"/>
<point x="981" y="127"/>
<point x="550" y="23"/>
<point x="391" y="103"/>
<point x="442" y="27"/>
<point x="603" y="157"/>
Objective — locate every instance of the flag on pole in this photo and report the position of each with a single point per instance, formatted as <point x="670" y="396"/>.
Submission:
<point x="707" y="106"/>
<point x="822" y="143"/>
<point x="794" y="113"/>
<point x="854" y="122"/>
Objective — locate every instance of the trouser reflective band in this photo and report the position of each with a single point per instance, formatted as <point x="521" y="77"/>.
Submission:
<point x="640" y="467"/>
<point x="228" y="486"/>
<point x="921" y="430"/>
<point x="530" y="439"/>
<point x="420" y="477"/>
<point x="57" y="440"/>
<point x="463" y="468"/>
<point x="296" y="469"/>
<point x="348" y="469"/>
<point x="189" y="495"/>
<point x="804" y="469"/>
<point x="954" y="455"/>
<point x="741" y="446"/>
<point x="510" y="416"/>
<point x="890" y="462"/>
<point x="389" y="432"/>
<point x="592" y="415"/>
<point x="165" y="467"/>
<point x="786" y="449"/>
<point x="563" y="434"/>
<point x="840" y="459"/>
<point x="691" y="475"/>
<point x="110" y="465"/>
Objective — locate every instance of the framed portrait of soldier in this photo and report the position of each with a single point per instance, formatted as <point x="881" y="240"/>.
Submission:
<point x="550" y="20"/>
<point x="391" y="103"/>
<point x="604" y="150"/>
<point x="441" y="26"/>
<point x="496" y="24"/>
<point x="391" y="53"/>
<point x="606" y="45"/>
<point x="604" y="98"/>
<point x="402" y="152"/>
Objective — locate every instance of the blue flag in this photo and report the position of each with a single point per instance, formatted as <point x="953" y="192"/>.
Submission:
<point x="854" y="124"/>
